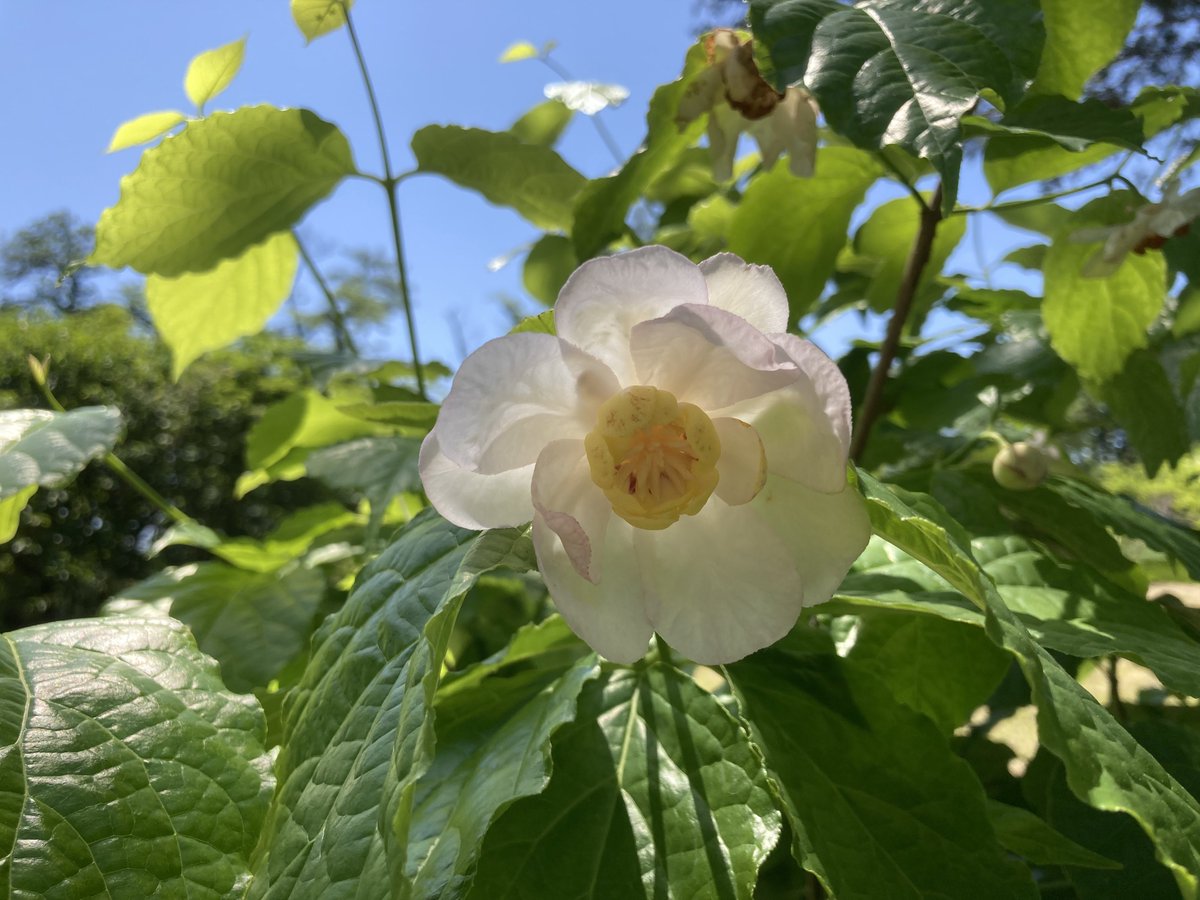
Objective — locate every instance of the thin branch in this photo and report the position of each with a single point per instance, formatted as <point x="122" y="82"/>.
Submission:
<point x="918" y="258"/>
<point x="342" y="338"/>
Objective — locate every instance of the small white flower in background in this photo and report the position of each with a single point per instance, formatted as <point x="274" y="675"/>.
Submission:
<point x="737" y="99"/>
<point x="587" y="97"/>
<point x="1153" y="224"/>
<point x="682" y="458"/>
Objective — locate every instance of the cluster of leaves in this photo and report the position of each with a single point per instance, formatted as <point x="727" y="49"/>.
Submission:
<point x="437" y="730"/>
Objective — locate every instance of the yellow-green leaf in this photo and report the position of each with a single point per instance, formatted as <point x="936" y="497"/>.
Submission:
<point x="519" y="51"/>
<point x="317" y="17"/>
<point x="211" y="71"/>
<point x="144" y="129"/>
<point x="10" y="512"/>
<point x="202" y="311"/>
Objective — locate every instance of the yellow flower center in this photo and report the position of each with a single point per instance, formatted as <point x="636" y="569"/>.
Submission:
<point x="654" y="457"/>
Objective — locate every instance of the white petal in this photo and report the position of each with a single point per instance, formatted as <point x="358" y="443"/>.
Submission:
<point x="599" y="305"/>
<point x="708" y="356"/>
<point x="472" y="500"/>
<point x="571" y="505"/>
<point x="825" y="532"/>
<point x="609" y="616"/>
<point x="743" y="462"/>
<point x="514" y="395"/>
<point x="826" y="378"/>
<point x="752" y="292"/>
<point x="723" y="584"/>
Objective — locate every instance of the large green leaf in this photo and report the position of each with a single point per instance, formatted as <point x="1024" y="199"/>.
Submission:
<point x="530" y="178"/>
<point x="797" y="226"/>
<point x="1096" y="323"/>
<point x="43" y="448"/>
<point x="358" y="730"/>
<point x="873" y="791"/>
<point x="252" y="623"/>
<point x="493" y="747"/>
<point x="1141" y="399"/>
<point x="378" y="467"/>
<point x="127" y="769"/>
<point x="656" y="792"/>
<point x="602" y="206"/>
<point x="1080" y="39"/>
<point x="898" y="72"/>
<point x="1071" y="125"/>
<point x="202" y="311"/>
<point x="224" y="184"/>
<point x="1105" y="766"/>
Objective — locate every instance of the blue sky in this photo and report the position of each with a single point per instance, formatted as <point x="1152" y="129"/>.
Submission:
<point x="76" y="70"/>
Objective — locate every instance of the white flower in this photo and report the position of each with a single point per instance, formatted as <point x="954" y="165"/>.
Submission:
<point x="587" y="97"/>
<point x="737" y="99"/>
<point x="682" y="458"/>
<point x="1152" y="225"/>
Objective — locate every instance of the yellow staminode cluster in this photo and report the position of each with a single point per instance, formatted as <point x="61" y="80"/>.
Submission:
<point x="654" y="457"/>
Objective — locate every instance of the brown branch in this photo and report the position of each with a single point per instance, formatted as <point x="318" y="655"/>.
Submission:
<point x="918" y="258"/>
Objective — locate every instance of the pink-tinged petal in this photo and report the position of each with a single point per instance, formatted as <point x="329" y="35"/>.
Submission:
<point x="826" y="533"/>
<point x="472" y="500"/>
<point x="599" y="305"/>
<point x="724" y="585"/>
<point x="752" y="292"/>
<point x="571" y="505"/>
<point x="610" y="616"/>
<point x="708" y="356"/>
<point x="743" y="463"/>
<point x="514" y="395"/>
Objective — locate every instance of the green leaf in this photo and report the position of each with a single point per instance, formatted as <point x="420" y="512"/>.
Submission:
<point x="1141" y="399"/>
<point x="542" y="323"/>
<point x="252" y="623"/>
<point x="530" y="178"/>
<point x="43" y="448"/>
<point x="1126" y="517"/>
<point x="203" y="311"/>
<point x="873" y="792"/>
<point x="224" y="184"/>
<point x="317" y="17"/>
<point x="602" y="206"/>
<point x="128" y="770"/>
<point x="358" y="728"/>
<point x="893" y="72"/>
<point x="210" y="72"/>
<point x="797" y="226"/>
<point x="1105" y="766"/>
<point x="1026" y="835"/>
<point x="417" y="414"/>
<point x="378" y="467"/>
<point x="519" y="51"/>
<point x="656" y="792"/>
<point x="305" y="420"/>
<point x="493" y="747"/>
<point x="1161" y="107"/>
<point x="10" y="512"/>
<point x="885" y="241"/>
<point x="1080" y="39"/>
<point x="548" y="266"/>
<point x="942" y="669"/>
<point x="543" y="125"/>
<point x="1073" y="126"/>
<point x="1010" y="161"/>
<point x="1096" y="323"/>
<point x="143" y="129"/>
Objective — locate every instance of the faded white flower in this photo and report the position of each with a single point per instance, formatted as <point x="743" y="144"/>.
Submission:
<point x="587" y="97"/>
<point x="737" y="99"/>
<point x="1153" y="224"/>
<point x="682" y="458"/>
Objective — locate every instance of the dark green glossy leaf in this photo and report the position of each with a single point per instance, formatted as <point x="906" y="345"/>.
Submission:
<point x="1026" y="835"/>
<point x="127" y="770"/>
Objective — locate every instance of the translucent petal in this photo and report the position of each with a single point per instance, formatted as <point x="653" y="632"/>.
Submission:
<point x="743" y="462"/>
<point x="571" y="505"/>
<point x="610" y="616"/>
<point x="599" y="305"/>
<point x="752" y="292"/>
<point x="824" y="532"/>
<point x="470" y="499"/>
<point x="514" y="395"/>
<point x="723" y="584"/>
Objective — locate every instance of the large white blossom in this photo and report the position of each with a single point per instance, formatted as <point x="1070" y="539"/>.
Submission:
<point x="1153" y="224"/>
<point x="682" y="458"/>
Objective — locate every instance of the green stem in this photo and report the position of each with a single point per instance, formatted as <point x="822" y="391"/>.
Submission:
<point x="127" y="474"/>
<point x="342" y="338"/>
<point x="390" y="183"/>
<point x="1035" y="201"/>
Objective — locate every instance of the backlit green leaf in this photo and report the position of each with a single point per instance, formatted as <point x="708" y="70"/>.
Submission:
<point x="1080" y="39"/>
<point x="224" y="184"/>
<point x="543" y="125"/>
<point x="317" y="17"/>
<point x="203" y="311"/>
<point x="143" y="129"/>
<point x="10" y="512"/>
<point x="212" y="71"/>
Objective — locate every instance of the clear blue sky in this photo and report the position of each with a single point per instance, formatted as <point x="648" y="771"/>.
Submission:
<point x="74" y="70"/>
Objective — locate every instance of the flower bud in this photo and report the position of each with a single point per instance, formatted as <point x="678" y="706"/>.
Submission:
<point x="1020" y="467"/>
